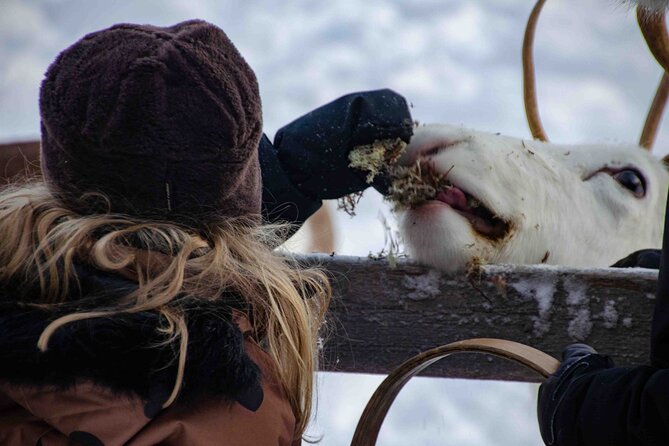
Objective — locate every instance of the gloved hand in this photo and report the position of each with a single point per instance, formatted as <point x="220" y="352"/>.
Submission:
<point x="645" y="258"/>
<point x="308" y="161"/>
<point x="314" y="149"/>
<point x="557" y="393"/>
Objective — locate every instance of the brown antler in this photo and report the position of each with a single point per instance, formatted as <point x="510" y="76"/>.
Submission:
<point x="655" y="112"/>
<point x="529" y="83"/>
<point x="654" y="29"/>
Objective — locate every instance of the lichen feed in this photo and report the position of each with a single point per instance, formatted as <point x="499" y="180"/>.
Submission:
<point x="410" y="185"/>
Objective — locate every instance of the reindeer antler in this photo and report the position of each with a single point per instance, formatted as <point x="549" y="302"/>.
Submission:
<point x="654" y="29"/>
<point x="529" y="82"/>
<point x="649" y="132"/>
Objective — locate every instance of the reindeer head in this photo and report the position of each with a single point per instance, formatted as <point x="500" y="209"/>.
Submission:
<point x="507" y="200"/>
<point x="515" y="201"/>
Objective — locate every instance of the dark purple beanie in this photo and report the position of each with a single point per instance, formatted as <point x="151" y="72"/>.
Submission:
<point x="164" y="122"/>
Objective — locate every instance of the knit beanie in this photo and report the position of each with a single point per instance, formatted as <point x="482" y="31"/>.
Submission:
<point x="159" y="123"/>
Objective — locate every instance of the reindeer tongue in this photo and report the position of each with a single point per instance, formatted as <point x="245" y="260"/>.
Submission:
<point x="453" y="197"/>
<point x="456" y="199"/>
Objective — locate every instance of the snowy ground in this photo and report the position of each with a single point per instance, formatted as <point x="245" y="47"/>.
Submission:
<point x="456" y="61"/>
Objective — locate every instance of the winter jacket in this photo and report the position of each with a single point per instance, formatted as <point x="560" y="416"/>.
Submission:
<point x="594" y="403"/>
<point x="103" y="381"/>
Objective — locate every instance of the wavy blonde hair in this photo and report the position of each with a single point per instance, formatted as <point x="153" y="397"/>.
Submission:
<point x="286" y="303"/>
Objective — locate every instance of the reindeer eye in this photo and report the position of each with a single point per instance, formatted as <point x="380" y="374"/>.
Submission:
<point x="632" y="180"/>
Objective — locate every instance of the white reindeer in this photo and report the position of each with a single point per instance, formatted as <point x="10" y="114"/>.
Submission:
<point x="523" y="202"/>
<point x="516" y="201"/>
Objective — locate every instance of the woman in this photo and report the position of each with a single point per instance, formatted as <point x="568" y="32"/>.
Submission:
<point x="141" y="301"/>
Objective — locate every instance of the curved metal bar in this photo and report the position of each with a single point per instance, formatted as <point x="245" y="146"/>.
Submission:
<point x="369" y="425"/>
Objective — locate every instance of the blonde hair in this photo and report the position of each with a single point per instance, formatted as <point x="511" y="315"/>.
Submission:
<point x="286" y="303"/>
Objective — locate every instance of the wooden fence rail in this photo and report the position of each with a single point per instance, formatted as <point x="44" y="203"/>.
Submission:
<point x="382" y="315"/>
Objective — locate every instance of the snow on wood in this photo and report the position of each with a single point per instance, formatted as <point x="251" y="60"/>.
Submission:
<point x="381" y="316"/>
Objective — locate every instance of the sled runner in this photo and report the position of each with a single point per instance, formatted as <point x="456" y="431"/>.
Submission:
<point x="369" y="425"/>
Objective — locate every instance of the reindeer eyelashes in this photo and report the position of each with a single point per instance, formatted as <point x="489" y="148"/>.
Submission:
<point x="628" y="177"/>
<point x="632" y="180"/>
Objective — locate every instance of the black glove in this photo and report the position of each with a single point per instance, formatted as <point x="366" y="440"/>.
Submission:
<point x="309" y="159"/>
<point x="557" y="422"/>
<point x="314" y="149"/>
<point x="645" y="258"/>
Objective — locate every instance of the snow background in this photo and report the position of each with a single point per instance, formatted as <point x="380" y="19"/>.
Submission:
<point x="456" y="61"/>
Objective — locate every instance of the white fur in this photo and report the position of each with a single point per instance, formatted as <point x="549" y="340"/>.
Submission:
<point x="543" y="190"/>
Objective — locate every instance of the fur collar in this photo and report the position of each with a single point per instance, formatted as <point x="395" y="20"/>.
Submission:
<point x="125" y="352"/>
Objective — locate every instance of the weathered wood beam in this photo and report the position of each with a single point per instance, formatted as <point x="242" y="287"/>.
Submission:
<point x="381" y="316"/>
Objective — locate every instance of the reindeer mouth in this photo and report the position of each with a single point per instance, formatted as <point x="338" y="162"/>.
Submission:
<point x="482" y="219"/>
<point x="416" y="185"/>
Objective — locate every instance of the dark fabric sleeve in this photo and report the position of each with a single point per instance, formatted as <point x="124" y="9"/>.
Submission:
<point x="613" y="407"/>
<point x="644" y="258"/>
<point x="282" y="202"/>
<point x="659" y="347"/>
